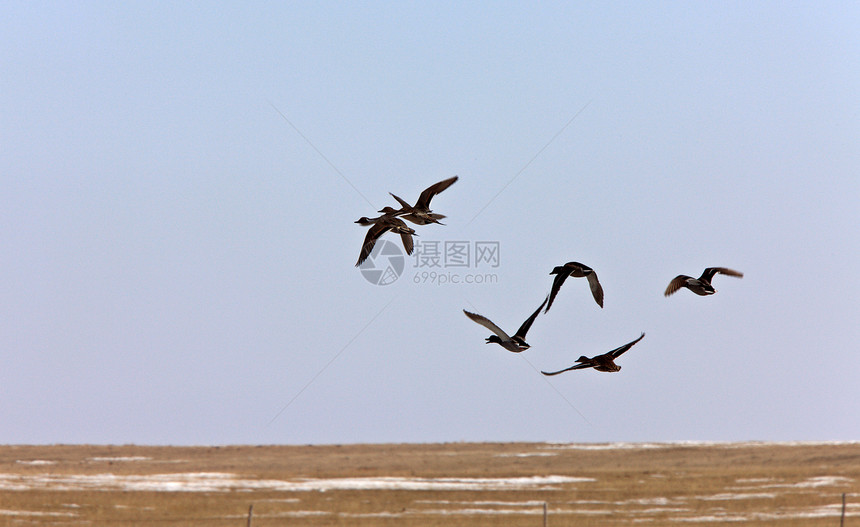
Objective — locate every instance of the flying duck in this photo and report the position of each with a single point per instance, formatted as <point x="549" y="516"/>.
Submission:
<point x="605" y="362"/>
<point x="702" y="285"/>
<point x="420" y="213"/>
<point x="517" y="343"/>
<point x="378" y="227"/>
<point x="577" y="270"/>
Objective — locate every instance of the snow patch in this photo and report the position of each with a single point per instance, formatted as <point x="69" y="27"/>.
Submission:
<point x="222" y="482"/>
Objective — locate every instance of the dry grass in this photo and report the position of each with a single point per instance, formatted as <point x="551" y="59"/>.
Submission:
<point x="666" y="485"/>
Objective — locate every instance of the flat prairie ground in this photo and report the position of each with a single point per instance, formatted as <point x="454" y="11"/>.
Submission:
<point x="463" y="484"/>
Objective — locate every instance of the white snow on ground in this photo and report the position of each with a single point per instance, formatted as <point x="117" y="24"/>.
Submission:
<point x="6" y="512"/>
<point x="474" y="511"/>
<point x="527" y="503"/>
<point x="478" y="509"/>
<point x="218" y="481"/>
<point x="529" y="454"/>
<point x="675" y="444"/>
<point x="822" y="481"/>
<point x="35" y="462"/>
<point x="650" y="501"/>
<point x="119" y="458"/>
<point x="787" y="514"/>
<point x="606" y="446"/>
<point x="422" y="512"/>
<point x="738" y="496"/>
<point x="809" y="483"/>
<point x="453" y="484"/>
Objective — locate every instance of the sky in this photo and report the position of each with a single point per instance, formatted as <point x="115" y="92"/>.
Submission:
<point x="179" y="185"/>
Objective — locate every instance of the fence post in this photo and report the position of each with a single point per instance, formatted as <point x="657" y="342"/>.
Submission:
<point x="250" y="514"/>
<point x="842" y="519"/>
<point x="544" y="515"/>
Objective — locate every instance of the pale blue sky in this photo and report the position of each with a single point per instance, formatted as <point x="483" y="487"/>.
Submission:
<point x="177" y="258"/>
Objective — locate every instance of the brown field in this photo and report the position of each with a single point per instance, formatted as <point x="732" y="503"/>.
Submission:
<point x="470" y="484"/>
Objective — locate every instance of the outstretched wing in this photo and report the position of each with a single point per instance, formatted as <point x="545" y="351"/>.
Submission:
<point x="376" y="230"/>
<point x="405" y="206"/>
<point x="487" y="323"/>
<point x="556" y="285"/>
<point x="406" y="238"/>
<point x="432" y="190"/>
<point x="709" y="273"/>
<point x="618" y="351"/>
<point x="521" y="333"/>
<point x="596" y="289"/>
<point x="676" y="283"/>
<point x="580" y="366"/>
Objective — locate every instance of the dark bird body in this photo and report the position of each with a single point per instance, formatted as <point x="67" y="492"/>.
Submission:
<point x="378" y="227"/>
<point x="517" y="343"/>
<point x="605" y="362"/>
<point x="702" y="285"/>
<point x="420" y="213"/>
<point x="576" y="270"/>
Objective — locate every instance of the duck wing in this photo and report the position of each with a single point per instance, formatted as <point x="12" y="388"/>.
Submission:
<point x="709" y="273"/>
<point x="677" y="283"/>
<point x="521" y="333"/>
<point x="580" y="366"/>
<point x="406" y="238"/>
<point x="405" y="207"/>
<point x="428" y="193"/>
<point x="619" y="350"/>
<point x="596" y="289"/>
<point x="487" y="323"/>
<point x="376" y="230"/>
<point x="559" y="279"/>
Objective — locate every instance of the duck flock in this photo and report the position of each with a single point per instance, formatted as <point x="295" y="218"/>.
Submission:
<point x="421" y="214"/>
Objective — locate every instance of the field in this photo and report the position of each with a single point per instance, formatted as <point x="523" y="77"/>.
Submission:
<point x="464" y="484"/>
